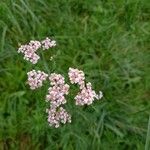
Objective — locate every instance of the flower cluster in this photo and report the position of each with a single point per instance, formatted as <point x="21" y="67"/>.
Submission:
<point x="76" y="76"/>
<point x="56" y="79"/>
<point x="56" y="97"/>
<point x="36" y="78"/>
<point x="48" y="43"/>
<point x="57" y="91"/>
<point x="29" y="50"/>
<point x="55" y="117"/>
<point x="86" y="95"/>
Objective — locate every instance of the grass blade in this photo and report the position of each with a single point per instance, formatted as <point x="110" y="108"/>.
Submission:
<point x="147" y="144"/>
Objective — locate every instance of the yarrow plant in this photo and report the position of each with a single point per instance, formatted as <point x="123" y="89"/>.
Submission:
<point x="29" y="50"/>
<point x="86" y="95"/>
<point x="57" y="115"/>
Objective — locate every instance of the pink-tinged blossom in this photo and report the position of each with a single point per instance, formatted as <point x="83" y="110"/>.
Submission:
<point x="32" y="46"/>
<point x="58" y="116"/>
<point x="57" y="91"/>
<point x="29" y="51"/>
<point x="35" y="45"/>
<point x="31" y="56"/>
<point x="86" y="95"/>
<point x="99" y="96"/>
<point x="36" y="78"/>
<point x="48" y="43"/>
<point x="76" y="76"/>
<point x="56" y="79"/>
<point x="56" y="95"/>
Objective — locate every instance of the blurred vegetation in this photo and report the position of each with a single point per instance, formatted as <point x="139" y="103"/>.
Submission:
<point x="109" y="41"/>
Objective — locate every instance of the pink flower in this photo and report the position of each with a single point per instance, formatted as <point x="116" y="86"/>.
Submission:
<point x="31" y="56"/>
<point x="36" y="78"/>
<point x="56" y="79"/>
<point x="35" y="45"/>
<point x="76" y="76"/>
<point x="29" y="51"/>
<point x="99" y="96"/>
<point x="57" y="114"/>
<point x="56" y="95"/>
<point x="57" y="91"/>
<point x="48" y="43"/>
<point x="86" y="95"/>
<point x="56" y="117"/>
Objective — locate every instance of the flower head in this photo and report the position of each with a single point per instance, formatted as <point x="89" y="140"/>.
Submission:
<point x="48" y="43"/>
<point x="86" y="95"/>
<point x="29" y="51"/>
<point x="57" y="91"/>
<point x="56" y="79"/>
<point x="56" y="117"/>
<point x="76" y="76"/>
<point x="36" y="78"/>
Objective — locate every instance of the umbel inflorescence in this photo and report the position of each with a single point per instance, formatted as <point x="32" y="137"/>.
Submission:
<point x="58" y="87"/>
<point x="29" y="50"/>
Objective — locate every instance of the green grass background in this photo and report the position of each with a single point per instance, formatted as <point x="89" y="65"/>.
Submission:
<point x="108" y="40"/>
